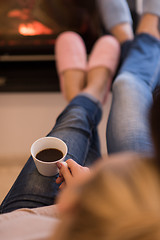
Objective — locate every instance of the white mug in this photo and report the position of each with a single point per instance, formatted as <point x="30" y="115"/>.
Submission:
<point x="48" y="168"/>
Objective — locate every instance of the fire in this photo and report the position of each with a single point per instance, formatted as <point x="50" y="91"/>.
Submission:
<point x="15" y="13"/>
<point x="27" y="30"/>
<point x="34" y="28"/>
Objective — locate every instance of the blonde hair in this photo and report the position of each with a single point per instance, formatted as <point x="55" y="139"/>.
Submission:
<point x="118" y="203"/>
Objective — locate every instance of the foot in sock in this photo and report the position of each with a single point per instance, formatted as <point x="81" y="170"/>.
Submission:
<point x="114" y="12"/>
<point x="150" y="18"/>
<point x="152" y="7"/>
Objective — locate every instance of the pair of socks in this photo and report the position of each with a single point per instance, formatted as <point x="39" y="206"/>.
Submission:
<point x="114" y="12"/>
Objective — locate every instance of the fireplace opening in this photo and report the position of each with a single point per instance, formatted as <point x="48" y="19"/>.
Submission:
<point x="21" y="32"/>
<point x="28" y="29"/>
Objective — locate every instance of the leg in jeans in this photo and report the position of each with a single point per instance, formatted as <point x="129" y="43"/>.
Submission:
<point x="128" y="126"/>
<point x="77" y="126"/>
<point x="74" y="126"/>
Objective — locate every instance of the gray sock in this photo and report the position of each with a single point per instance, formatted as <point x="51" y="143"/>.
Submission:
<point x="114" y="12"/>
<point x="151" y="6"/>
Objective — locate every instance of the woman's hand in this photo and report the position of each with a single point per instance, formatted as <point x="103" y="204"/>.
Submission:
<point x="71" y="174"/>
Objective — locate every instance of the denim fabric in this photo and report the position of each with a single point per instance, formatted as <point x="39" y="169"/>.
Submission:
<point x="128" y="125"/>
<point x="77" y="126"/>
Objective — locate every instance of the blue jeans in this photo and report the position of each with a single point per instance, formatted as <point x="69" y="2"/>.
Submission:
<point x="128" y="126"/>
<point x="77" y="127"/>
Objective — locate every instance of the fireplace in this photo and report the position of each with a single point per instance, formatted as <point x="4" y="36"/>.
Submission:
<point x="28" y="29"/>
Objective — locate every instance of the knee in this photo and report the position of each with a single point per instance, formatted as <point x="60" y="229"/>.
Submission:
<point x="124" y="81"/>
<point x="75" y="117"/>
<point x="128" y="82"/>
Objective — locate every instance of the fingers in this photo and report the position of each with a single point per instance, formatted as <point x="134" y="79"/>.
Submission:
<point x="76" y="169"/>
<point x="62" y="185"/>
<point x="70" y="172"/>
<point x="64" y="172"/>
<point x="73" y="166"/>
<point x="59" y="180"/>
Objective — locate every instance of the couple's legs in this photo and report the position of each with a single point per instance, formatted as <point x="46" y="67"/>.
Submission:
<point x="128" y="126"/>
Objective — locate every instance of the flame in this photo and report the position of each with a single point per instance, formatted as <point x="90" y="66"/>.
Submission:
<point x="15" y="13"/>
<point x="34" y="28"/>
<point x="26" y="30"/>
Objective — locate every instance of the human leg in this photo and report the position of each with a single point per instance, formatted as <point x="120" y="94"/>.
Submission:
<point x="102" y="64"/>
<point x="101" y="68"/>
<point x="150" y="19"/>
<point x="128" y="127"/>
<point x="77" y="126"/>
<point x="115" y="12"/>
<point x="71" y="63"/>
<point x="121" y="25"/>
<point x="74" y="126"/>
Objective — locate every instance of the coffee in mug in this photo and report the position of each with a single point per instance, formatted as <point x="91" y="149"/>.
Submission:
<point x="46" y="152"/>
<point x="49" y="155"/>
